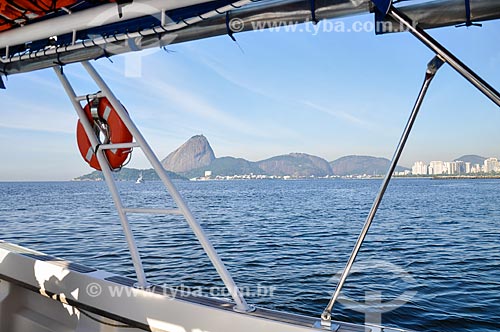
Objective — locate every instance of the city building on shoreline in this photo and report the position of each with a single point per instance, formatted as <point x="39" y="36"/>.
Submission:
<point x="458" y="167"/>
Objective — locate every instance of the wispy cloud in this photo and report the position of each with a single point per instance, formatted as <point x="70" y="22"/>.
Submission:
<point x="197" y="105"/>
<point x="46" y="82"/>
<point x="241" y="82"/>
<point x="22" y="114"/>
<point x="235" y="79"/>
<point x="337" y="114"/>
<point x="189" y="101"/>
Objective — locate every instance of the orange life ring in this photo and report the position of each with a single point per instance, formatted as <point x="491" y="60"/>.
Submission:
<point x="117" y="132"/>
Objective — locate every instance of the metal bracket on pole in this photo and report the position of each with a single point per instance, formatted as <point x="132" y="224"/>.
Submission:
<point x="468" y="19"/>
<point x="432" y="68"/>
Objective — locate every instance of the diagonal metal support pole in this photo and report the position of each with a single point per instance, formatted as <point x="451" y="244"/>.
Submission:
<point x="432" y="68"/>
<point x="446" y="55"/>
<point x="108" y="177"/>
<point x="241" y="304"/>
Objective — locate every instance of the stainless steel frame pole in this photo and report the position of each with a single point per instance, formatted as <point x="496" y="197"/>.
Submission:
<point x="241" y="304"/>
<point x="108" y="177"/>
<point x="446" y="55"/>
<point x="432" y="68"/>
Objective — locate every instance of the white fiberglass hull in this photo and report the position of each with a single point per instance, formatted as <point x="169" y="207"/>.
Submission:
<point x="42" y="293"/>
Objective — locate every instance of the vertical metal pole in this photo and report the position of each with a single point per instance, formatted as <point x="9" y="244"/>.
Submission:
<point x="108" y="176"/>
<point x="241" y="304"/>
<point x="432" y="68"/>
<point x="446" y="55"/>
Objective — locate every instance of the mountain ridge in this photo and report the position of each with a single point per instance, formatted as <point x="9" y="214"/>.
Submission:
<point x="471" y="158"/>
<point x="296" y="165"/>
<point x="360" y="165"/>
<point x="293" y="164"/>
<point x="196" y="156"/>
<point x="226" y="166"/>
<point x="196" y="152"/>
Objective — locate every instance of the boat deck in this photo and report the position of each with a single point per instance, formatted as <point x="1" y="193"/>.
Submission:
<point x="39" y="292"/>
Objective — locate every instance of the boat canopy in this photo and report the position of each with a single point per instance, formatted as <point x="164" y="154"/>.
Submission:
<point x="36" y="34"/>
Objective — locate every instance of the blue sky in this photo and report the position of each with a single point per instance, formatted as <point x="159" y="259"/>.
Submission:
<point x="329" y="94"/>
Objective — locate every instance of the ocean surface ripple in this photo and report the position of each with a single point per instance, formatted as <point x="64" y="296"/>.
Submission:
<point x="431" y="261"/>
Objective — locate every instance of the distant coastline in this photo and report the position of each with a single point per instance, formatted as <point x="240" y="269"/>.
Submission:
<point x="195" y="160"/>
<point x="291" y="178"/>
<point x="465" y="177"/>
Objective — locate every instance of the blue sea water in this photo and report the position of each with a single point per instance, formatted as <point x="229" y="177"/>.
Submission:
<point x="431" y="261"/>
